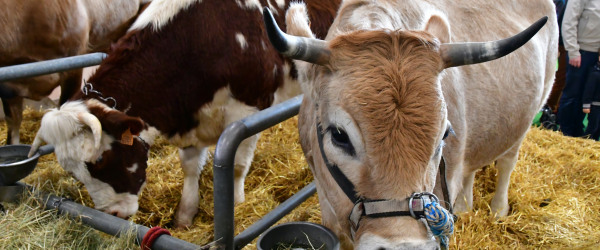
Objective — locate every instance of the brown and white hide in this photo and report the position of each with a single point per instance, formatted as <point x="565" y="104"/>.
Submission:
<point x="185" y="69"/>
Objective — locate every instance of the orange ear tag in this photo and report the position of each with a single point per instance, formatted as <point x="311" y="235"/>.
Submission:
<point x="127" y="138"/>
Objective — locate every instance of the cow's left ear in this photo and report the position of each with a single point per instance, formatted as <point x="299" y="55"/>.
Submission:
<point x="118" y="124"/>
<point x="438" y="27"/>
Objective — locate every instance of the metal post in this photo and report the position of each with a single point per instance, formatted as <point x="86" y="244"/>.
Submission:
<point x="50" y="66"/>
<point x="224" y="157"/>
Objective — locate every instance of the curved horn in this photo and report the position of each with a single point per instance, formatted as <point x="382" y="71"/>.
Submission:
<point x="94" y="124"/>
<point x="457" y="54"/>
<point x="295" y="47"/>
<point x="37" y="141"/>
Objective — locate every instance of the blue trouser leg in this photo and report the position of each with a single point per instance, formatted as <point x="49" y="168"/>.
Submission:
<point x="570" y="114"/>
<point x="593" y="129"/>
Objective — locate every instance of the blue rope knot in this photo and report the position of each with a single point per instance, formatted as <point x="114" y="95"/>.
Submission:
<point x="440" y="222"/>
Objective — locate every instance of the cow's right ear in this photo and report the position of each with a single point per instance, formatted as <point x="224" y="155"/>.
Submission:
<point x="297" y="22"/>
<point x="438" y="27"/>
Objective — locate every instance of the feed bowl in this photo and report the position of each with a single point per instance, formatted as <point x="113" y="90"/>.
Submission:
<point x="298" y="235"/>
<point x="14" y="164"/>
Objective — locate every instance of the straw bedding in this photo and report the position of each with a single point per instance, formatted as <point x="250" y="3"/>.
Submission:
<point x="554" y="190"/>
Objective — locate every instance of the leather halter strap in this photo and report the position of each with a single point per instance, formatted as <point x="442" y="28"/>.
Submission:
<point x="336" y="173"/>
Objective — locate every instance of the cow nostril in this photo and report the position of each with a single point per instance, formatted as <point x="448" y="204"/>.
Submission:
<point x="381" y="248"/>
<point x="115" y="214"/>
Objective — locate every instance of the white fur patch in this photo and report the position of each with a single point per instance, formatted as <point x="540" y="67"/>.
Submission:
<point x="290" y="87"/>
<point x="253" y="4"/>
<point x="160" y="12"/>
<point x="280" y="3"/>
<point x="149" y="135"/>
<point x="241" y="40"/>
<point x="263" y="45"/>
<point x="214" y="117"/>
<point x="133" y="168"/>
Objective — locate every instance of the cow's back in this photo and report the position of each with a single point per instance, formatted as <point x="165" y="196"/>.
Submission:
<point x="492" y="104"/>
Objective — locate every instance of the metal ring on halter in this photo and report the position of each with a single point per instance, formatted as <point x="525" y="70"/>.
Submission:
<point x="431" y="195"/>
<point x="419" y="196"/>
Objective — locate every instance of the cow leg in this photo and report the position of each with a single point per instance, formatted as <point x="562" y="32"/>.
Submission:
<point x="13" y="111"/>
<point x="243" y="159"/>
<point x="505" y="165"/>
<point x="192" y="161"/>
<point x="464" y="200"/>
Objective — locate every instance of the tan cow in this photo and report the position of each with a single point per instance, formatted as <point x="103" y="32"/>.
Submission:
<point x="383" y="91"/>
<point x="35" y="30"/>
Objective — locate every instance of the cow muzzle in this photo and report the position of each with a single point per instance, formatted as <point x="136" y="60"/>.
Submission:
<point x="124" y="206"/>
<point x="423" y="205"/>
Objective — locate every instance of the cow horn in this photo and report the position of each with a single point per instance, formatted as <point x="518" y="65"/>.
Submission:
<point x="37" y="141"/>
<point x="300" y="48"/>
<point x="94" y="124"/>
<point x="457" y="54"/>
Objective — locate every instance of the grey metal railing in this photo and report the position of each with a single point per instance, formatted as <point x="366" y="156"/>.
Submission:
<point x="50" y="66"/>
<point x="223" y="160"/>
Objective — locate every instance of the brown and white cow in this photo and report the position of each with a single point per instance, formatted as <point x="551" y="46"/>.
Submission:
<point x="382" y="91"/>
<point x="183" y="71"/>
<point x="42" y="30"/>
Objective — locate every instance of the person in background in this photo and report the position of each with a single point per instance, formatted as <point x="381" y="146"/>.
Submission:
<point x="581" y="37"/>
<point x="591" y="102"/>
<point x="559" y="80"/>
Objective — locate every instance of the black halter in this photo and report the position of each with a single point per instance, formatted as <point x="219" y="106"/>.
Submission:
<point x="412" y="206"/>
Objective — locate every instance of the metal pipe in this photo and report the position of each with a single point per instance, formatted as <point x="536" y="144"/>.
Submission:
<point x="50" y="66"/>
<point x="106" y="223"/>
<point x="223" y="162"/>
<point x="272" y="217"/>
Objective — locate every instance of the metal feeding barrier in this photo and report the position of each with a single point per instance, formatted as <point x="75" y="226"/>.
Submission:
<point x="224" y="157"/>
<point x="223" y="166"/>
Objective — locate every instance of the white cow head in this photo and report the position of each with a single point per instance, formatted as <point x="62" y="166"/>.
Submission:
<point x="373" y="121"/>
<point x="113" y="171"/>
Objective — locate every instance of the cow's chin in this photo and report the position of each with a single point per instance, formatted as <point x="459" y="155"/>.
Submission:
<point x="125" y="206"/>
<point x="399" y="232"/>
<point x="105" y="198"/>
<point x="377" y="242"/>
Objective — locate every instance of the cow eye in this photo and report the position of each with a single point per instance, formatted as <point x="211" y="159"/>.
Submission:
<point x="449" y="131"/>
<point x="446" y="134"/>
<point x="340" y="139"/>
